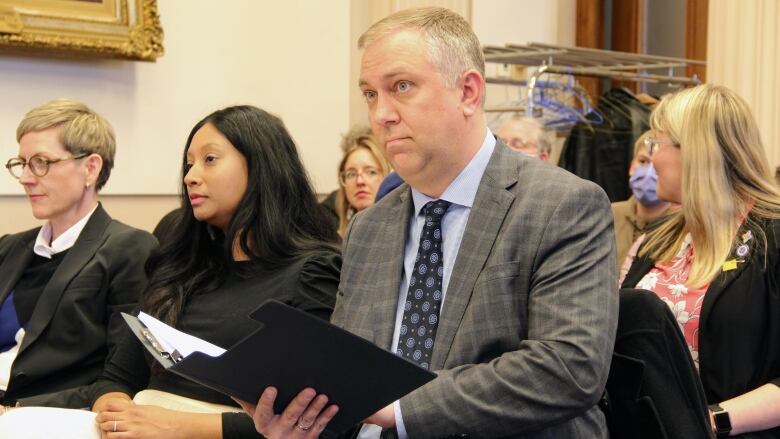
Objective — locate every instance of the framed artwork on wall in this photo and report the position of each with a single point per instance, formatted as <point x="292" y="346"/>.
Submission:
<point x="127" y="29"/>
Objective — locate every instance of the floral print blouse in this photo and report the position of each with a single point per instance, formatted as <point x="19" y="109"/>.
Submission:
<point x="668" y="282"/>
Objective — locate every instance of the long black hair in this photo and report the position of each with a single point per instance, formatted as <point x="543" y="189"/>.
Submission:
<point x="277" y="221"/>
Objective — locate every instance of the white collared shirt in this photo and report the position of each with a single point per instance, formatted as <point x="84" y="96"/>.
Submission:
<point x="63" y="242"/>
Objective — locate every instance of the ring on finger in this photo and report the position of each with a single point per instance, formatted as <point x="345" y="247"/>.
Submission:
<point x="115" y="425"/>
<point x="302" y="427"/>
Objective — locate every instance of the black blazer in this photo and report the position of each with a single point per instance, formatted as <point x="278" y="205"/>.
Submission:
<point x="76" y="320"/>
<point x="739" y="328"/>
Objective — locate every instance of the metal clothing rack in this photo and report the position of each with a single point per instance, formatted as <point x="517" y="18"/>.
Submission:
<point x="586" y="62"/>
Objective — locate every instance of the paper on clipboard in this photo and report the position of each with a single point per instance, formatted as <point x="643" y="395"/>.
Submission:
<point x="173" y="340"/>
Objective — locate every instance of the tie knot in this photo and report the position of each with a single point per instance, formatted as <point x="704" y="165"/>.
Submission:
<point x="435" y="210"/>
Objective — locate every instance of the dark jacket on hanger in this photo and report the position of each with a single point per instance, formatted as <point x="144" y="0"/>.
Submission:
<point x="739" y="327"/>
<point x="76" y="321"/>
<point x="603" y="153"/>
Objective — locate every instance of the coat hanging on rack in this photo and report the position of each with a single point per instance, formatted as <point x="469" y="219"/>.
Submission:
<point x="603" y="153"/>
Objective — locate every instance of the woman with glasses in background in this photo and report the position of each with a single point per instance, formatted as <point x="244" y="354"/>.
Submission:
<point x="360" y="172"/>
<point x="63" y="285"/>
<point x="716" y="260"/>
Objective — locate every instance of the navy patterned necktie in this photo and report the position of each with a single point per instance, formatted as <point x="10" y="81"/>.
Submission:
<point x="423" y="299"/>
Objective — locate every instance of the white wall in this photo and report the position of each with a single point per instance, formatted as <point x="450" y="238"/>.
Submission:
<point x="290" y="57"/>
<point x="295" y="58"/>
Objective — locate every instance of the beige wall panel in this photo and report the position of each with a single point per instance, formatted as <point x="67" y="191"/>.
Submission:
<point x="743" y="53"/>
<point x="140" y="211"/>
<point x="290" y="57"/>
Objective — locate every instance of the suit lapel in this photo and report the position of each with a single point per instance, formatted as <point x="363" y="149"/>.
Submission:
<point x="87" y="244"/>
<point x="726" y="278"/>
<point x="16" y="261"/>
<point x="394" y="229"/>
<point x="490" y="207"/>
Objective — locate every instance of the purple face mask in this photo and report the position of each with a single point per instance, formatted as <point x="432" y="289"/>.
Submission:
<point x="643" y="182"/>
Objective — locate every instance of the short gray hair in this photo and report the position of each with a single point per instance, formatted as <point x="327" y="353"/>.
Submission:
<point x="452" y="45"/>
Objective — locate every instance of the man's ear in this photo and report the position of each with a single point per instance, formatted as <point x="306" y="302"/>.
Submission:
<point x="472" y="86"/>
<point x="94" y="164"/>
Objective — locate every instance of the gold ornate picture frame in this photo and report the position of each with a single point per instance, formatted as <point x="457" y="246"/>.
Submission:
<point x="128" y="29"/>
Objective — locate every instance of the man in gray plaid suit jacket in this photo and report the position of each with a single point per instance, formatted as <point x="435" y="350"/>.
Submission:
<point x="527" y="322"/>
<point x="521" y="330"/>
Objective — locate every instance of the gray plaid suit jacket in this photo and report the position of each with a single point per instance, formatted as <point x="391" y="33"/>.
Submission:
<point x="528" y="323"/>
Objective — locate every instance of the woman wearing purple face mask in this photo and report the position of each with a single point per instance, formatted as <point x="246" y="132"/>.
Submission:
<point x="643" y="181"/>
<point x="632" y="215"/>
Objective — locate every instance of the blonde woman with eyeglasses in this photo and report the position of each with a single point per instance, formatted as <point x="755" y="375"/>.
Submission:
<point x="63" y="285"/>
<point x="360" y="173"/>
<point x="716" y="261"/>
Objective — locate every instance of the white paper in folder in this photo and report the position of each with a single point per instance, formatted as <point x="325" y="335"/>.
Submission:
<point x="173" y="340"/>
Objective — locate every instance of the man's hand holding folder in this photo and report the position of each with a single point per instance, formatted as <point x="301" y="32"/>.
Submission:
<point x="306" y="416"/>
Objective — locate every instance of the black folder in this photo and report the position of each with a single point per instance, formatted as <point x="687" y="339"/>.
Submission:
<point x="293" y="350"/>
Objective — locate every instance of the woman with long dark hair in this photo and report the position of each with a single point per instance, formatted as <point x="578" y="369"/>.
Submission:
<point x="272" y="222"/>
<point x="250" y="230"/>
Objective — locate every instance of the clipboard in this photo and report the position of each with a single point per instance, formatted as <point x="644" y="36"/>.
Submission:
<point x="293" y="350"/>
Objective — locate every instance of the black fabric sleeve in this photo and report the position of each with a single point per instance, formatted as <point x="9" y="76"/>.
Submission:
<point x="315" y="293"/>
<point x="5" y="246"/>
<point x="312" y="289"/>
<point x="238" y="426"/>
<point x="775" y="240"/>
<point x="126" y="369"/>
<point x="318" y="283"/>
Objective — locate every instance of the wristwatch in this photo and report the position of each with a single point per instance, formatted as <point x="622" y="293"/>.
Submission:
<point x="721" y="420"/>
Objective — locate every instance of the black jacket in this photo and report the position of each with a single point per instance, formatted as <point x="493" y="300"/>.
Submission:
<point x="603" y="153"/>
<point x="739" y="328"/>
<point x="653" y="389"/>
<point x="76" y="320"/>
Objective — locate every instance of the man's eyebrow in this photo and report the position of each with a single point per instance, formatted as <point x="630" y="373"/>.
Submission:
<point x="389" y="75"/>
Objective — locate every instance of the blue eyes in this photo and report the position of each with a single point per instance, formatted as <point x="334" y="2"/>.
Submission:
<point x="399" y="87"/>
